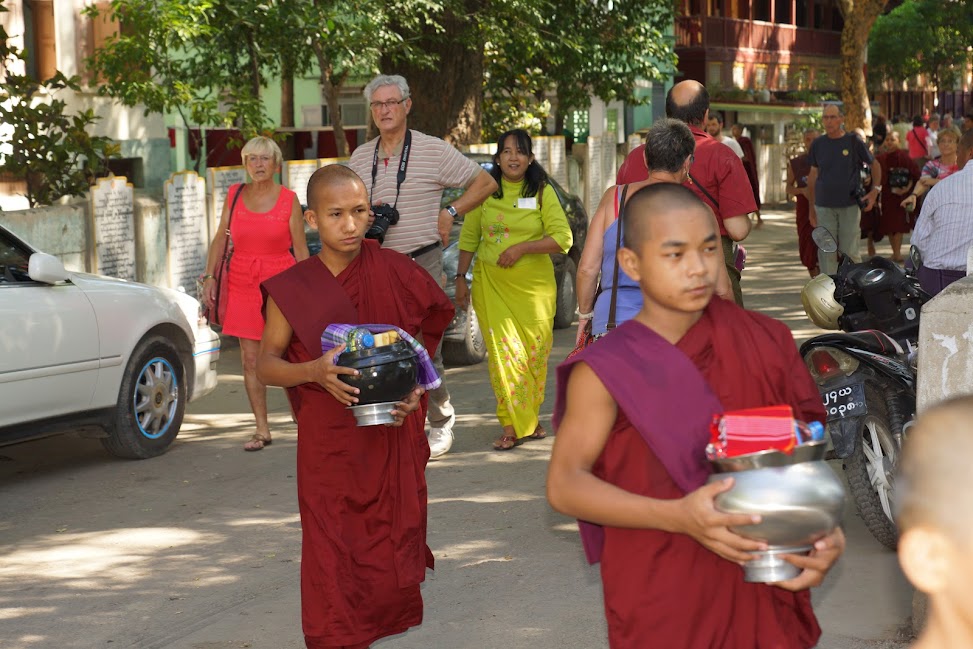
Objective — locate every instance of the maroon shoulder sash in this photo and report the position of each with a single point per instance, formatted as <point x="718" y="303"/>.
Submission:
<point x="663" y="395"/>
<point x="311" y="298"/>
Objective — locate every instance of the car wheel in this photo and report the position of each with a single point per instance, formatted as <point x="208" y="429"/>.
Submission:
<point x="472" y="349"/>
<point x="151" y="402"/>
<point x="567" y="297"/>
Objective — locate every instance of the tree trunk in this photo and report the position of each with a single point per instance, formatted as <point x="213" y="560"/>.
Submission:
<point x="859" y="16"/>
<point x="287" y="110"/>
<point x="331" y="87"/>
<point x="447" y="100"/>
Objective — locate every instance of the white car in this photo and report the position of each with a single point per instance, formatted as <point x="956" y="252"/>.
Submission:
<point x="96" y="355"/>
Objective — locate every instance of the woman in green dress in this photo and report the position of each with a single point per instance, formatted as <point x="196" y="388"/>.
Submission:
<point x="513" y="235"/>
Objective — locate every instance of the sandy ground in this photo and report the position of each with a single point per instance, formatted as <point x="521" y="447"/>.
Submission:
<point x="200" y="548"/>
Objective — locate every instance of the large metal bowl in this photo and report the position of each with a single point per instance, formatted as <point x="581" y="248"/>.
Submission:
<point x="798" y="504"/>
<point x="387" y="374"/>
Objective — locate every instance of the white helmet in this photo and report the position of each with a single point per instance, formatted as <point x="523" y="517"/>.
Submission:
<point x="819" y="303"/>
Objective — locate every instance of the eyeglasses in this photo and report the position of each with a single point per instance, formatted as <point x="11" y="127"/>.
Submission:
<point x="391" y="103"/>
<point x="260" y="158"/>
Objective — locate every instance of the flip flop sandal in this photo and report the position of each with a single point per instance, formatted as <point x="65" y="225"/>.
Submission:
<point x="264" y="441"/>
<point x="539" y="433"/>
<point x="502" y="443"/>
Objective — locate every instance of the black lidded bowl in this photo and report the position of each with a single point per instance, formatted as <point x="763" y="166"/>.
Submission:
<point x="388" y="372"/>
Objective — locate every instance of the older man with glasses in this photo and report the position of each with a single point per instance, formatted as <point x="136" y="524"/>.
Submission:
<point x="836" y="194"/>
<point x="405" y="172"/>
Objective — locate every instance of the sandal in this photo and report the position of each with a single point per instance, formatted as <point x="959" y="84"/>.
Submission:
<point x="257" y="442"/>
<point x="539" y="433"/>
<point x="507" y="442"/>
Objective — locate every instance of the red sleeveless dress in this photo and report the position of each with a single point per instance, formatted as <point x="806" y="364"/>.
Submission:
<point x="261" y="249"/>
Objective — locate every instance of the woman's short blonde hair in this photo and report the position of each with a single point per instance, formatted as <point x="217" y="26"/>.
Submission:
<point x="261" y="145"/>
<point x="950" y="131"/>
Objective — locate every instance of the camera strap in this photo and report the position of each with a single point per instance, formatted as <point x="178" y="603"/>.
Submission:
<point x="403" y="165"/>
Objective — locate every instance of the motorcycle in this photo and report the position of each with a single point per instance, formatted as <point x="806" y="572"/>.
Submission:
<point x="866" y="375"/>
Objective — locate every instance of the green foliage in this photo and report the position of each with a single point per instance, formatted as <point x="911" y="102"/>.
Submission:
<point x="202" y="59"/>
<point x="572" y="48"/>
<point x="927" y="37"/>
<point x="44" y="144"/>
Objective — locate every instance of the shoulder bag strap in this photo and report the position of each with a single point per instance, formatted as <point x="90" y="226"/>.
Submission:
<point x="705" y="193"/>
<point x="618" y="244"/>
<point x="229" y="220"/>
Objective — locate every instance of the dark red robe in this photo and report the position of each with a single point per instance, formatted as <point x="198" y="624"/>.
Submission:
<point x="807" y="249"/>
<point x="667" y="590"/>
<point x="361" y="491"/>
<point x="894" y="218"/>
<point x="750" y="164"/>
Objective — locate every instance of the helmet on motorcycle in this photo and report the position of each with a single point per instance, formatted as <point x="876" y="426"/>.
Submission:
<point x="819" y="303"/>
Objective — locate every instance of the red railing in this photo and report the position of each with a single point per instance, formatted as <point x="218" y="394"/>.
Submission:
<point x="696" y="31"/>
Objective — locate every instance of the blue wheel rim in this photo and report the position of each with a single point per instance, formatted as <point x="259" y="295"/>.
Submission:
<point x="156" y="398"/>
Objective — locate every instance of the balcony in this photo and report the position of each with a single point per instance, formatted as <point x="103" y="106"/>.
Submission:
<point x="730" y="33"/>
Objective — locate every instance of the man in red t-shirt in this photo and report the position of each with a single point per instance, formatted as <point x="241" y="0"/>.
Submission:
<point x="717" y="175"/>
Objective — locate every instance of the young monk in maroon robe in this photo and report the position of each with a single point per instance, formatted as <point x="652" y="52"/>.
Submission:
<point x="633" y="413"/>
<point x="361" y="490"/>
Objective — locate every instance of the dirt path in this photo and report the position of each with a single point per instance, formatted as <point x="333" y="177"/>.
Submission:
<point x="200" y="548"/>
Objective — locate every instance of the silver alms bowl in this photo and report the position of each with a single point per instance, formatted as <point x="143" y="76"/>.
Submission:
<point x="798" y="503"/>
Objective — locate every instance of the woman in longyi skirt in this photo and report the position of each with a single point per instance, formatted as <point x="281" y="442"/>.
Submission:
<point x="513" y="235"/>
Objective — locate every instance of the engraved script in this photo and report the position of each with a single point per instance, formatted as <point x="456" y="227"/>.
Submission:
<point x="112" y="208"/>
<point x="220" y="180"/>
<point x="186" y="229"/>
<point x="297" y="173"/>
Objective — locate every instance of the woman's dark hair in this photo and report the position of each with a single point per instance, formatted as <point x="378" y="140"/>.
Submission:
<point x="535" y="176"/>
<point x="917" y="121"/>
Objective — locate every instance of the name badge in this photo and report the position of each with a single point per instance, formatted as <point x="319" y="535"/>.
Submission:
<point x="527" y="203"/>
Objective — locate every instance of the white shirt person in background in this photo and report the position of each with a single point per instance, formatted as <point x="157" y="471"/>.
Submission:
<point x="715" y="128"/>
<point x="944" y="230"/>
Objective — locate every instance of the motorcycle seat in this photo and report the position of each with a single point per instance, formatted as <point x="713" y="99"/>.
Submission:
<point x="870" y="340"/>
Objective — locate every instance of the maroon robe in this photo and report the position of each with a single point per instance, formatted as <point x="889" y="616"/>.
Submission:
<point x="894" y="218"/>
<point x="667" y="590"/>
<point x="807" y="249"/>
<point x="750" y="164"/>
<point x="361" y="491"/>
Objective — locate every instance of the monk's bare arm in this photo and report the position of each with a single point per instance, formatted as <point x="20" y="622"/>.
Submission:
<point x="272" y="369"/>
<point x="574" y="490"/>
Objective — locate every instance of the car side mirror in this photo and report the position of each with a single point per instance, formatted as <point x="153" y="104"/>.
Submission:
<point x="46" y="268"/>
<point x="824" y="239"/>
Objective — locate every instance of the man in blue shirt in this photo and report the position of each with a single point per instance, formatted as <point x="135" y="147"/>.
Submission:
<point x="837" y="159"/>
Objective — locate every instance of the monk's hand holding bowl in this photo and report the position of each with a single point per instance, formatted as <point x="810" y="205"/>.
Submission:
<point x="406" y="407"/>
<point x="815" y="565"/>
<point x="510" y="256"/>
<point x="701" y="520"/>
<point x="327" y="374"/>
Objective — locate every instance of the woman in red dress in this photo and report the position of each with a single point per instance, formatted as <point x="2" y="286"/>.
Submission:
<point x="267" y="223"/>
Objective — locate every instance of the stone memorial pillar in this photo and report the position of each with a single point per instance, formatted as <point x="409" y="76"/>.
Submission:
<point x="296" y="175"/>
<point x="113" y="227"/>
<point x="558" y="165"/>
<point x="220" y="179"/>
<point x="188" y="236"/>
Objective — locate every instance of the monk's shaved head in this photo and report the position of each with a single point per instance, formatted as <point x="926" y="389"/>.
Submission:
<point x="656" y="201"/>
<point x="327" y="177"/>
<point x="688" y="101"/>
<point x="933" y="486"/>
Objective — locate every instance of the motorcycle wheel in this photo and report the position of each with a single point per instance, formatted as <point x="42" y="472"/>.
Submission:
<point x="871" y="469"/>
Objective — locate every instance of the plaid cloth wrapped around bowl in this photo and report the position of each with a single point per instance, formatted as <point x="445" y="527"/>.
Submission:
<point x="337" y="334"/>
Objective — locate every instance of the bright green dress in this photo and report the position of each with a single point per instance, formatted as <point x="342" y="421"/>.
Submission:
<point x="515" y="306"/>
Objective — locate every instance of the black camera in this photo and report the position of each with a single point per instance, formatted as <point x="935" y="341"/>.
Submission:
<point x="385" y="217"/>
<point x="859" y="192"/>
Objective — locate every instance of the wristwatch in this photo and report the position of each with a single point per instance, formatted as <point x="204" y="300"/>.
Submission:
<point x="451" y="211"/>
